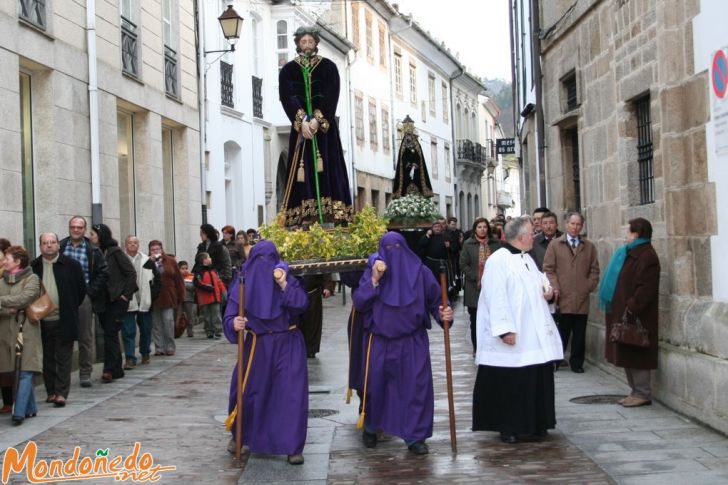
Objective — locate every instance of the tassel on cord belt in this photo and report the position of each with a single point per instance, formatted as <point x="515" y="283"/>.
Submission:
<point x="360" y="422"/>
<point x="351" y="337"/>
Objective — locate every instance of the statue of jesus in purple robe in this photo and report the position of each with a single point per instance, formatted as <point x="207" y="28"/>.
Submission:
<point x="317" y="188"/>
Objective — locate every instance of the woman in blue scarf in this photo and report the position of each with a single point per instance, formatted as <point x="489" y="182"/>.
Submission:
<point x="631" y="285"/>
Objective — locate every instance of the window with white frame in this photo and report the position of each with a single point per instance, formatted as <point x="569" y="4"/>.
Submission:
<point x="431" y="92"/>
<point x="359" y="117"/>
<point x="382" y="46"/>
<point x="373" y="137"/>
<point x="445" y="104"/>
<point x="385" y="130"/>
<point x="398" y="74"/>
<point x="369" y="35"/>
<point x="448" y="169"/>
<point x="413" y="83"/>
<point x="282" y="43"/>
<point x="433" y="157"/>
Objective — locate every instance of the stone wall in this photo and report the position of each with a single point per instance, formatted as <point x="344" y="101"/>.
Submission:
<point x="621" y="50"/>
<point x="57" y="62"/>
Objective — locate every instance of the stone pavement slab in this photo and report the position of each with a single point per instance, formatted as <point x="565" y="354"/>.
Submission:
<point x="175" y="408"/>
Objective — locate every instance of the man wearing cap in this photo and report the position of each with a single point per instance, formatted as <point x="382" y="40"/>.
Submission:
<point x="317" y="188"/>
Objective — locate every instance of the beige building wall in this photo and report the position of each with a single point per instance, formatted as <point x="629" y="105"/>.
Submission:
<point x="620" y="51"/>
<point x="57" y="61"/>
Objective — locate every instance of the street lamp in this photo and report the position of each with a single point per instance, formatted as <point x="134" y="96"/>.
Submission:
<point x="491" y="169"/>
<point x="231" y="24"/>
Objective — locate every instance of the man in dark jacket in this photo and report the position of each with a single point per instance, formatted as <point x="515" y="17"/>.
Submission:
<point x="96" y="275"/>
<point x="217" y="251"/>
<point x="549" y="232"/>
<point x="64" y="281"/>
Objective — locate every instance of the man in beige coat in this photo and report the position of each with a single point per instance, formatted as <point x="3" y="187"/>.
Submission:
<point x="572" y="267"/>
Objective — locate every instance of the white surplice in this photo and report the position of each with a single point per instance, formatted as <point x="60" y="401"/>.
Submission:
<point x="511" y="300"/>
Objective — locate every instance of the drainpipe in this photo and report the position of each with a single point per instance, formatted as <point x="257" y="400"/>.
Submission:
<point x="199" y="47"/>
<point x="93" y="106"/>
<point x="349" y="62"/>
<point x="454" y="140"/>
<point x="540" y="135"/>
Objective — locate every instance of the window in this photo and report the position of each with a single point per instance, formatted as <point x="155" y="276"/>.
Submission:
<point x="373" y="139"/>
<point x="382" y="47"/>
<point x="445" y="104"/>
<point x="385" y="130"/>
<point x="170" y="54"/>
<point x="569" y="92"/>
<point x="644" y="150"/>
<point x="369" y="40"/>
<point x="423" y="111"/>
<point x="282" y="43"/>
<point x="257" y="97"/>
<point x="413" y="83"/>
<point x="168" y="188"/>
<point x="398" y="74"/>
<point x="359" y="117"/>
<point x="447" y="163"/>
<point x="125" y="157"/>
<point x="26" y="155"/>
<point x="375" y="199"/>
<point x="34" y="11"/>
<point x="257" y="44"/>
<point x="226" y="84"/>
<point x="355" y="25"/>
<point x="360" y="198"/>
<point x="129" y="37"/>
<point x="431" y="92"/>
<point x="571" y="168"/>
<point x="433" y="158"/>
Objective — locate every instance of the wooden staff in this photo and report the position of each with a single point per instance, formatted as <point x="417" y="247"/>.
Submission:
<point x="241" y="345"/>
<point x="448" y="363"/>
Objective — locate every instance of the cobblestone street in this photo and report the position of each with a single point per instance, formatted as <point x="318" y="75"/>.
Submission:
<point x="175" y="408"/>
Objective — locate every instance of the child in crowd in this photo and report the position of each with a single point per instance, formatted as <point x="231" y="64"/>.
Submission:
<point x="210" y="292"/>
<point x="190" y="305"/>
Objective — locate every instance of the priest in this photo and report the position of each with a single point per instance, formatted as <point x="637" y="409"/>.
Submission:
<point x="517" y="342"/>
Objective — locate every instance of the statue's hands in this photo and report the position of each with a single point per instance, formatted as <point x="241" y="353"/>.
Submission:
<point x="306" y="130"/>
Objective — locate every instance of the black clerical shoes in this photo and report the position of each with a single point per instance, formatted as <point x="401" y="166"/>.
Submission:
<point x="509" y="438"/>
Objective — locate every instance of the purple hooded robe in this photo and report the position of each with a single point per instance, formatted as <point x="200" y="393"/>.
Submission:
<point x="275" y="398"/>
<point x="399" y="397"/>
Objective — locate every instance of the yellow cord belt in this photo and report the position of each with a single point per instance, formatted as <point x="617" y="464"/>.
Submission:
<point x="231" y="417"/>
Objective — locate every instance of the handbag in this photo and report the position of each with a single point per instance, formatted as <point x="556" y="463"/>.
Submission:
<point x="41" y="307"/>
<point x="629" y="331"/>
<point x="181" y="324"/>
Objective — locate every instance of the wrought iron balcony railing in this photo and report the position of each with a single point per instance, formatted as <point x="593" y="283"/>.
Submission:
<point x="170" y="72"/>
<point x="226" y="84"/>
<point x="129" y="52"/>
<point x="34" y="11"/>
<point x="474" y="152"/>
<point x="257" y="97"/>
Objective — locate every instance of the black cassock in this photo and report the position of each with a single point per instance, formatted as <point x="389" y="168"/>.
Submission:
<point x="411" y="176"/>
<point x="300" y="205"/>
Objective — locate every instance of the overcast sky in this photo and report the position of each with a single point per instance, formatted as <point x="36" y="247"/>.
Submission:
<point x="477" y="29"/>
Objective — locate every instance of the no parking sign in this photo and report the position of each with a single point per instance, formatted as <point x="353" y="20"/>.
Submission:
<point x="719" y="101"/>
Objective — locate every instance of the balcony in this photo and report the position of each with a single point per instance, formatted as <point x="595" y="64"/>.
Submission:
<point x="467" y="150"/>
<point x="257" y="97"/>
<point x="129" y="52"/>
<point x="34" y="11"/>
<point x="226" y="84"/>
<point x="170" y="72"/>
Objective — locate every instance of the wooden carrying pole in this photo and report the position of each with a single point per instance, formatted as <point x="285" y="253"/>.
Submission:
<point x="241" y="344"/>
<point x="448" y="363"/>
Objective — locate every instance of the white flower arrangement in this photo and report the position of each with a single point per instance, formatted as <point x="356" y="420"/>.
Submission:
<point x="412" y="207"/>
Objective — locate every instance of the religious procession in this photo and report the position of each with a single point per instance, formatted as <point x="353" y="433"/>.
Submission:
<point x="275" y="318"/>
<point x="363" y="241"/>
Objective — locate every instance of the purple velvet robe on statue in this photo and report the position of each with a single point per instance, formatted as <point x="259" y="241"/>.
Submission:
<point x="400" y="398"/>
<point x="333" y="181"/>
<point x="275" y="399"/>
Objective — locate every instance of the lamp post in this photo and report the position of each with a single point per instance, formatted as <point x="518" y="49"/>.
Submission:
<point x="231" y="24"/>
